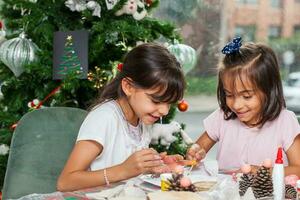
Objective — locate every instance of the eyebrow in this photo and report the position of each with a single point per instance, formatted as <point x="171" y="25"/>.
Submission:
<point x="241" y="92"/>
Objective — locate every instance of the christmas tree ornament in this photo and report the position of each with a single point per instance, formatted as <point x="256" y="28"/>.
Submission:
<point x="176" y="184"/>
<point x="262" y="184"/>
<point x="99" y="77"/>
<point x="81" y="5"/>
<point x="110" y="4"/>
<point x="185" y="55"/>
<point x="4" y="149"/>
<point x="1" y="94"/>
<point x="2" y="33"/>
<point x="183" y="106"/>
<point x="148" y="2"/>
<point x="120" y="67"/>
<point x="76" y="5"/>
<point x="246" y="180"/>
<point x="290" y="192"/>
<point x="95" y="7"/>
<point x="33" y="105"/>
<point x="17" y="53"/>
<point x="70" y="62"/>
<point x="14" y="126"/>
<point x="136" y="8"/>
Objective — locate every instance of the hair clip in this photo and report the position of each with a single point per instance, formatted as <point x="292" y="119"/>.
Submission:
<point x="120" y="67"/>
<point x="233" y="46"/>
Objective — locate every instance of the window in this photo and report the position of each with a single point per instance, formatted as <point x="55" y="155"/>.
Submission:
<point x="276" y="3"/>
<point x="274" y="32"/>
<point x="297" y="29"/>
<point x="246" y="1"/>
<point x="246" y="32"/>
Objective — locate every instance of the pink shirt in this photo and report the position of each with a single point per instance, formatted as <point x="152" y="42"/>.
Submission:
<point x="238" y="144"/>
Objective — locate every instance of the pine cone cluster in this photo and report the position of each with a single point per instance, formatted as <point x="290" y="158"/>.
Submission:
<point x="290" y="192"/>
<point x="262" y="185"/>
<point x="245" y="182"/>
<point x="176" y="186"/>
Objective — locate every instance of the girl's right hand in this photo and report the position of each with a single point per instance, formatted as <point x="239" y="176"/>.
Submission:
<point x="141" y="162"/>
<point x="195" y="152"/>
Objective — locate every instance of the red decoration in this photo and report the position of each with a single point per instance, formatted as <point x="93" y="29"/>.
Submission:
<point x="120" y="67"/>
<point x="183" y="106"/>
<point x="1" y="25"/>
<point x="14" y="126"/>
<point x="0" y="195"/>
<point x="149" y="2"/>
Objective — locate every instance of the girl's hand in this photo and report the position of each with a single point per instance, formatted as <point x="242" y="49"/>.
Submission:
<point x="141" y="162"/>
<point x="195" y="152"/>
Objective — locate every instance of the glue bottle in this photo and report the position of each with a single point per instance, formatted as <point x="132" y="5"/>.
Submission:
<point x="278" y="177"/>
<point x="298" y="190"/>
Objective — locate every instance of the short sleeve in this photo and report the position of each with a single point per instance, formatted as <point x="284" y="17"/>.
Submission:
<point x="97" y="126"/>
<point x="213" y="123"/>
<point x="290" y="129"/>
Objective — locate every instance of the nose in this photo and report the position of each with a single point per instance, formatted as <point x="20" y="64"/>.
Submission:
<point x="163" y="108"/>
<point x="237" y="103"/>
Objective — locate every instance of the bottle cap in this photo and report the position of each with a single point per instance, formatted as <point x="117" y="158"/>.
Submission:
<point x="279" y="156"/>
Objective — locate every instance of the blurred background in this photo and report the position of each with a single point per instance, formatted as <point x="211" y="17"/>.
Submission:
<point x="206" y="25"/>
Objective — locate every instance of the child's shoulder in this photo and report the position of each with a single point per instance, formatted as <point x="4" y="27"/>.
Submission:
<point x="286" y="114"/>
<point x="107" y="109"/>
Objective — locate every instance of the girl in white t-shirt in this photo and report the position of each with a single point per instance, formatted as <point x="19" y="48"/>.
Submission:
<point x="252" y="121"/>
<point x="112" y="143"/>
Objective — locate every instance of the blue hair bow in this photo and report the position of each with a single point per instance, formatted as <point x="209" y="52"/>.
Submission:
<point x="233" y="46"/>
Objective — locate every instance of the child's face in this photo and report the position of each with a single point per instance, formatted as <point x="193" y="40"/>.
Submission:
<point x="243" y="99"/>
<point x="145" y="107"/>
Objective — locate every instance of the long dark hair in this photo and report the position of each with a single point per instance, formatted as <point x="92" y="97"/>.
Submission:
<point x="148" y="66"/>
<point x="259" y="63"/>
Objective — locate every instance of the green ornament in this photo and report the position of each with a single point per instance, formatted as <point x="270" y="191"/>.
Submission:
<point x="185" y="54"/>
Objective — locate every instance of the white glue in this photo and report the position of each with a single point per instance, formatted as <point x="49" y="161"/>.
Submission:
<point x="278" y="177"/>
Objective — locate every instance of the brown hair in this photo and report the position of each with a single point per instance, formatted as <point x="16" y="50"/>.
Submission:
<point x="259" y="63"/>
<point x="149" y="66"/>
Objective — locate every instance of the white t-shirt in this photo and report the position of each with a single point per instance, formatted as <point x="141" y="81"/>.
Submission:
<point x="106" y="124"/>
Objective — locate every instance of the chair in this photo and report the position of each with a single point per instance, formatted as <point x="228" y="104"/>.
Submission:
<point x="40" y="147"/>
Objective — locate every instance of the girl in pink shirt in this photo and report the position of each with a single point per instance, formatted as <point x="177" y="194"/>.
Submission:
<point x="252" y="121"/>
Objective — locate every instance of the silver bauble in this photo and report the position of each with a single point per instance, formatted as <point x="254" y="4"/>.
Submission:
<point x="18" y="52"/>
<point x="185" y="54"/>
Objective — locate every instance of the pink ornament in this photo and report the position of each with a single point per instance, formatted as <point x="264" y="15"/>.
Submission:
<point x="267" y="163"/>
<point x="185" y="182"/>
<point x="246" y="169"/>
<point x="291" y="180"/>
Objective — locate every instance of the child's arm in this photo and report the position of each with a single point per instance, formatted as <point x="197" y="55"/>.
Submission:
<point x="205" y="143"/>
<point x="76" y="175"/>
<point x="293" y="156"/>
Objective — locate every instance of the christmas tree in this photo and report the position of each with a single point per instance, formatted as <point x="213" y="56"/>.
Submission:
<point x="114" y="27"/>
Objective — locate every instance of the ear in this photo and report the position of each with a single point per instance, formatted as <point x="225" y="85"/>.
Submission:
<point x="127" y="86"/>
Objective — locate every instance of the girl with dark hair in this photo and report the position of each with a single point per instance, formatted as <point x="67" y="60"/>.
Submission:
<point x="252" y="121"/>
<point x="112" y="144"/>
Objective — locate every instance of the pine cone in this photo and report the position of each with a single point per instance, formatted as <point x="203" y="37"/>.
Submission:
<point x="175" y="184"/>
<point x="262" y="184"/>
<point x="245" y="182"/>
<point x="290" y="192"/>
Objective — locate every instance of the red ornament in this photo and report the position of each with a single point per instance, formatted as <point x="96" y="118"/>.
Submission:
<point x="14" y="126"/>
<point x="120" y="67"/>
<point x="1" y="25"/>
<point x="149" y="2"/>
<point x="183" y="106"/>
